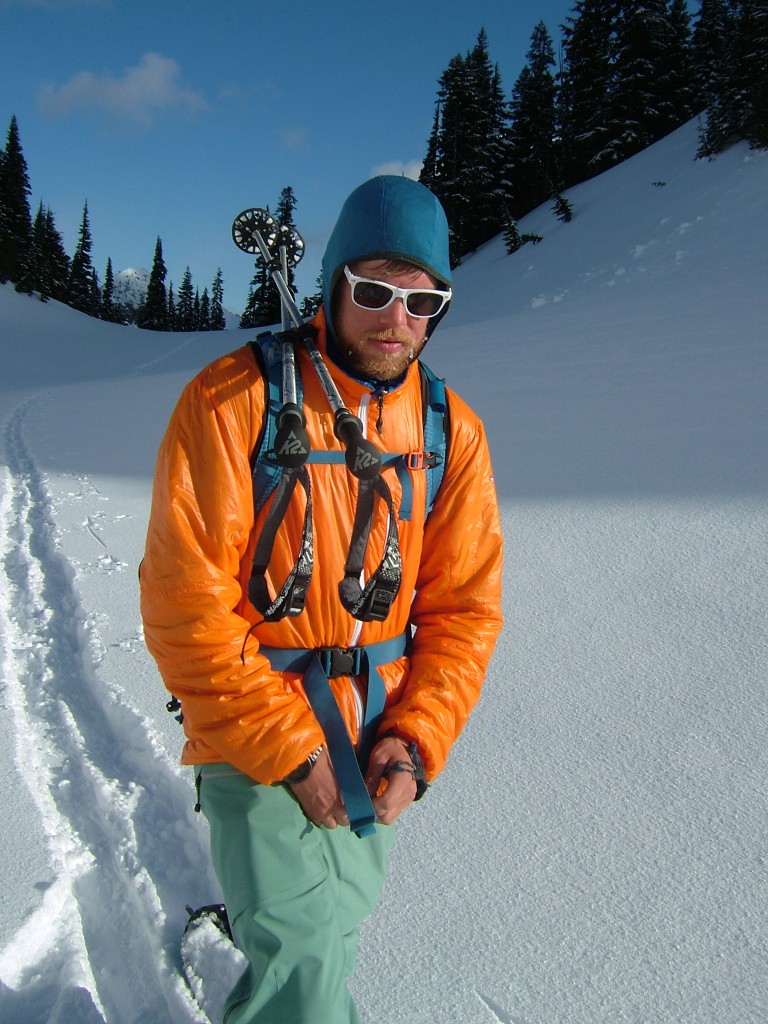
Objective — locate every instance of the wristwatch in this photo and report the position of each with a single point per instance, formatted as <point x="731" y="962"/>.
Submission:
<point x="302" y="772"/>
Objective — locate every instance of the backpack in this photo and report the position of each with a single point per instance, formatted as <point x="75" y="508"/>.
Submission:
<point x="267" y="350"/>
<point x="271" y="477"/>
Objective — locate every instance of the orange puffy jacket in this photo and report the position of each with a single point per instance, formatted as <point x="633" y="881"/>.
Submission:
<point x="205" y="634"/>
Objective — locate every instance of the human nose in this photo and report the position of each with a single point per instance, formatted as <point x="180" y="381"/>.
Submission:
<point x="394" y="313"/>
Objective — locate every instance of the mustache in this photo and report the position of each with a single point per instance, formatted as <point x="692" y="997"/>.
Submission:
<point x="400" y="334"/>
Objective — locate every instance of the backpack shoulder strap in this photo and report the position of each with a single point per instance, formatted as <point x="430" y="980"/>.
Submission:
<point x="436" y="430"/>
<point x="267" y="351"/>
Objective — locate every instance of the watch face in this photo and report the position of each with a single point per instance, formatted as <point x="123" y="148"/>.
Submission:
<point x="300" y="774"/>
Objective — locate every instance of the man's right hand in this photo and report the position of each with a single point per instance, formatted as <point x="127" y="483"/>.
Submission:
<point x="319" y="795"/>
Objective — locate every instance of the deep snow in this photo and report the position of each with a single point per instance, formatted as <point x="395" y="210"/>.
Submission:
<point x="596" y="849"/>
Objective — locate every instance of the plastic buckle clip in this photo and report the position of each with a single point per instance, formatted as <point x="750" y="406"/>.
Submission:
<point x="340" y="661"/>
<point x="423" y="460"/>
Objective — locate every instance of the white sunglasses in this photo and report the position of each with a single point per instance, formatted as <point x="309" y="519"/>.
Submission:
<point x="418" y="302"/>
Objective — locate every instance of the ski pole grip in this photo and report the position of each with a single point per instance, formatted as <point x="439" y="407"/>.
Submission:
<point x="292" y="444"/>
<point x="362" y="457"/>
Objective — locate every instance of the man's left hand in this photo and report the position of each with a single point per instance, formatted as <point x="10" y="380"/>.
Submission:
<point x="401" y="784"/>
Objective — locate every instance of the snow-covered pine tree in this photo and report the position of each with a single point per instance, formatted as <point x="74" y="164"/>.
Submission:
<point x="532" y="132"/>
<point x="218" y="320"/>
<point x="311" y="303"/>
<point x="586" y="82"/>
<point x="15" y="214"/>
<point x="263" y="307"/>
<point x="712" y="55"/>
<point x="109" y="310"/>
<point x="678" y="73"/>
<point x="57" y="258"/>
<point x="80" y="292"/>
<point x="32" y="276"/>
<point x="204" y="322"/>
<point x="173" y="324"/>
<point x="153" y="314"/>
<point x="467" y="153"/>
<point x="185" y="306"/>
<point x="749" y="69"/>
<point x="512" y="238"/>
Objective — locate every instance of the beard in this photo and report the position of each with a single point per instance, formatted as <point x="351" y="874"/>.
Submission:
<point x="368" y="362"/>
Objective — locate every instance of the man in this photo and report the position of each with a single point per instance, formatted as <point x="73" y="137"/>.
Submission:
<point x="273" y="778"/>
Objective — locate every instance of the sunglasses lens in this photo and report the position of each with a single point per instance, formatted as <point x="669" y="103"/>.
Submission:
<point x="371" y="295"/>
<point x="423" y="303"/>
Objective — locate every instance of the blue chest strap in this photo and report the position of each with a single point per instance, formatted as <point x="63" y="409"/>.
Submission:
<point x="316" y="667"/>
<point x="267" y="471"/>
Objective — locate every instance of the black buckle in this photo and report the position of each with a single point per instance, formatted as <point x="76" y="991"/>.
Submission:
<point x="340" y="661"/>
<point x="375" y="607"/>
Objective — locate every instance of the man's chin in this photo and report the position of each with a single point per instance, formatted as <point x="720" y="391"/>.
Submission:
<point x="372" y="363"/>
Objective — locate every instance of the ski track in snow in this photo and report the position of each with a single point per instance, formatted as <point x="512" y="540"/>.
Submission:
<point x="92" y="770"/>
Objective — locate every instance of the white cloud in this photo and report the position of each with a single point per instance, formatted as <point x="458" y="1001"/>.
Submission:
<point x="411" y="169"/>
<point x="294" y="138"/>
<point x="137" y="96"/>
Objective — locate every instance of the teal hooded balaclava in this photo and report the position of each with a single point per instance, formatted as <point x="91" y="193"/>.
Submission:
<point x="388" y="217"/>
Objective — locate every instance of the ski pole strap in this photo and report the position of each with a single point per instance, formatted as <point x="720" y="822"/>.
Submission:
<point x="292" y="595"/>
<point x="317" y="667"/>
<point x="372" y="602"/>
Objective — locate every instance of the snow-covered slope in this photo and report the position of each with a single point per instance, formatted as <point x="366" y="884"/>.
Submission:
<point x="595" y="850"/>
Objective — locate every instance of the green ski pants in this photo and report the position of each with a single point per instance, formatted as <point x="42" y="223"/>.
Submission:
<point x="296" y="896"/>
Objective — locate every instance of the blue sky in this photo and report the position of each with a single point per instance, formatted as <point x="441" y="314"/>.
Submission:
<point x="171" y="117"/>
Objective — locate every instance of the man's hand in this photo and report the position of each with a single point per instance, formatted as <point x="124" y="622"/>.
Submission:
<point x="319" y="795"/>
<point x="401" y="785"/>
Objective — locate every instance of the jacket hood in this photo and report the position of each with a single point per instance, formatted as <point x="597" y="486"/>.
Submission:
<point x="388" y="217"/>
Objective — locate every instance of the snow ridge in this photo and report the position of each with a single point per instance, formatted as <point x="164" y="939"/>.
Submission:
<point x="92" y="770"/>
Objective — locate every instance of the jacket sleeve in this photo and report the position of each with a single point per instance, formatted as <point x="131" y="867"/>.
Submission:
<point x="457" y="607"/>
<point x="200" y="521"/>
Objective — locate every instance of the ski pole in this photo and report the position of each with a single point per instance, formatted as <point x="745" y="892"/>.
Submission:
<point x="362" y="457"/>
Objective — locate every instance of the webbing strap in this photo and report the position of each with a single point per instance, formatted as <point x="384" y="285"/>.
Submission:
<point x="348" y="766"/>
<point x="372" y="602"/>
<point x="292" y="595"/>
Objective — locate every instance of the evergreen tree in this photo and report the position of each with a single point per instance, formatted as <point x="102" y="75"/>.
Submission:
<point x="311" y="303"/>
<point x="679" y="75"/>
<point x="586" y="83"/>
<point x="15" y="214"/>
<point x="109" y="309"/>
<point x="55" y="258"/>
<point x="286" y="204"/>
<point x="218" y="320"/>
<point x="95" y="301"/>
<point x="562" y="208"/>
<point x="430" y="172"/>
<point x="750" y="72"/>
<point x="512" y="237"/>
<point x="154" y="311"/>
<point x="80" y="284"/>
<point x="263" y="307"/>
<point x="467" y="154"/>
<point x="46" y="265"/>
<point x="196" y="320"/>
<point x="173" y="320"/>
<point x="185" y="308"/>
<point x="712" y="42"/>
<point x="641" y="107"/>
<point x="711" y="34"/>
<point x="736" y="89"/>
<point x="32" y="276"/>
<point x="533" y="126"/>
<point x="205" y="311"/>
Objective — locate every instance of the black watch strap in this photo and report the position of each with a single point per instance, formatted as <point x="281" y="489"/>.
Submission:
<point x="302" y="772"/>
